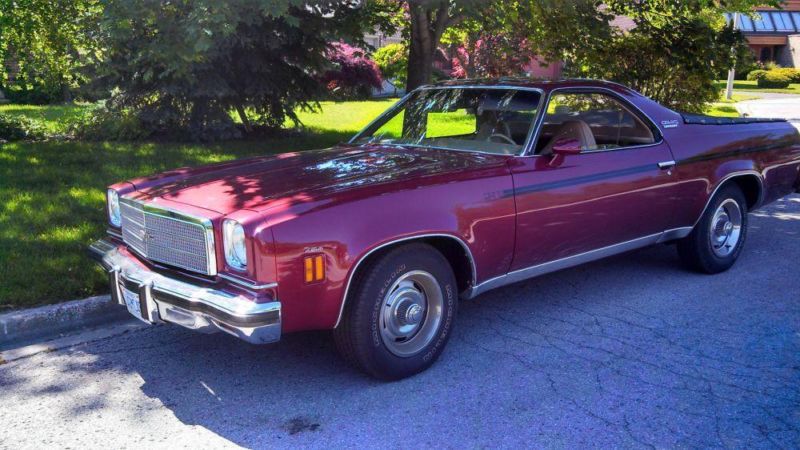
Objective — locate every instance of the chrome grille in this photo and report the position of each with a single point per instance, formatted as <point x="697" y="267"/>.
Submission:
<point x="168" y="237"/>
<point x="133" y="228"/>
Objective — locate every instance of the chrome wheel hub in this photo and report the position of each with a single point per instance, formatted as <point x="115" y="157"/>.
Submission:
<point x="411" y="313"/>
<point x="726" y="228"/>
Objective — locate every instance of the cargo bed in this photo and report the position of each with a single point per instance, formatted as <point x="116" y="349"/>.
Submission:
<point x="701" y="119"/>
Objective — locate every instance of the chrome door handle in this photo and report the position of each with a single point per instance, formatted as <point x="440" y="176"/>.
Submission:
<point x="667" y="165"/>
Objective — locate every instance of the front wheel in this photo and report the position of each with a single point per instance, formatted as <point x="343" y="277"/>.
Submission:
<point x="400" y="315"/>
<point x="717" y="240"/>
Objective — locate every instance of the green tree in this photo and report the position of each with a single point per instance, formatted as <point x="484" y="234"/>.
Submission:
<point x="392" y="59"/>
<point x="184" y="65"/>
<point x="45" y="43"/>
<point x="673" y="54"/>
<point x="425" y="23"/>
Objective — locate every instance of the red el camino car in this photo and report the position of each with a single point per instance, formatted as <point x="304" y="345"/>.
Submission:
<point x="458" y="189"/>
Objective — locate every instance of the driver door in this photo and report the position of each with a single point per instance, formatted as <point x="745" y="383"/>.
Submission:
<point x="615" y="193"/>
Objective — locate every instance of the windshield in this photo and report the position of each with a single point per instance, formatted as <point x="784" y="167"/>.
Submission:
<point x="472" y="119"/>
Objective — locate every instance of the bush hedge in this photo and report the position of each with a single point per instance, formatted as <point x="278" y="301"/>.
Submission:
<point x="776" y="74"/>
<point x="18" y="128"/>
<point x="774" y="79"/>
<point x="103" y="124"/>
<point x="756" y="75"/>
<point x="792" y="74"/>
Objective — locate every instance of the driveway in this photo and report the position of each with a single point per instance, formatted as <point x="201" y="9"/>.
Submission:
<point x="781" y="106"/>
<point x="632" y="351"/>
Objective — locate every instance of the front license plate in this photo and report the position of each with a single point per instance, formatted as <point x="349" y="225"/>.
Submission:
<point x="132" y="302"/>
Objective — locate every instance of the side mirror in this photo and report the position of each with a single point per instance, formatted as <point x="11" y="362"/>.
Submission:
<point x="567" y="147"/>
<point x="563" y="148"/>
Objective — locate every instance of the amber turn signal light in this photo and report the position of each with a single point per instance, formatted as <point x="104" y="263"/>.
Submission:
<point x="314" y="268"/>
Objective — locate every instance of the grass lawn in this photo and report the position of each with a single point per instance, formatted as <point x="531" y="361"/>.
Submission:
<point x="53" y="117"/>
<point x="752" y="86"/>
<point x="722" y="110"/>
<point x="725" y="107"/>
<point x="52" y="194"/>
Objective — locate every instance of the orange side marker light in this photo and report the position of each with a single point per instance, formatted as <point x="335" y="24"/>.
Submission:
<point x="314" y="268"/>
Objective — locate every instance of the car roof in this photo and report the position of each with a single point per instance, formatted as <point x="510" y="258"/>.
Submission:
<point x="544" y="85"/>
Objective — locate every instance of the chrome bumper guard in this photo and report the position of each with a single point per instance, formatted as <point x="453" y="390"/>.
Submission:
<point x="165" y="299"/>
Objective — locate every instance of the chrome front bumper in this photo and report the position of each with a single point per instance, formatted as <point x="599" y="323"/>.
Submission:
<point x="165" y="299"/>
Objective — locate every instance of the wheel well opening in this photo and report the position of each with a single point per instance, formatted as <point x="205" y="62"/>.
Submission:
<point x="459" y="260"/>
<point x="751" y="188"/>
<point x="453" y="251"/>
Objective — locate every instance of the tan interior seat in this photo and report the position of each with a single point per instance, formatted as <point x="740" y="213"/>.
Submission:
<point x="572" y="129"/>
<point x="492" y="124"/>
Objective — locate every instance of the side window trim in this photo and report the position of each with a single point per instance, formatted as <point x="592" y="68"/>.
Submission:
<point x="633" y="109"/>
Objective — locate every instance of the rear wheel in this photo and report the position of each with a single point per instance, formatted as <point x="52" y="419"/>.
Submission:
<point x="400" y="314"/>
<point x="716" y="242"/>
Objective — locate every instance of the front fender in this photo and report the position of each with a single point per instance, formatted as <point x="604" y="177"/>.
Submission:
<point x="347" y="229"/>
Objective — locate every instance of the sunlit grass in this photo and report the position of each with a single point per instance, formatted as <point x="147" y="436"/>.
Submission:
<point x="722" y="110"/>
<point x="455" y="123"/>
<point x="736" y="98"/>
<point x="752" y="87"/>
<point x="54" y="118"/>
<point x="344" y="116"/>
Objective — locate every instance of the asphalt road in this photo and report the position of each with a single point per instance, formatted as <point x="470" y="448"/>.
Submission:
<point x="628" y="352"/>
<point x="780" y="106"/>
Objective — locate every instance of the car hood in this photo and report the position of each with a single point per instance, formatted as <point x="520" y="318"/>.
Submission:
<point x="259" y="183"/>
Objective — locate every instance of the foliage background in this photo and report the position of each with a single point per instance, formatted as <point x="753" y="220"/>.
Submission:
<point x="392" y="60"/>
<point x="183" y="66"/>
<point x="46" y="46"/>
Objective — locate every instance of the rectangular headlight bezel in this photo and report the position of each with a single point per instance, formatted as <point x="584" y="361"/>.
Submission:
<point x="234" y="245"/>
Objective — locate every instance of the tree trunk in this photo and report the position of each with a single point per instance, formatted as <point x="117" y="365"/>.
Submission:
<point x="248" y="128"/>
<point x="469" y="68"/>
<point x="428" y="22"/>
<point x="66" y="94"/>
<point x="420" y="65"/>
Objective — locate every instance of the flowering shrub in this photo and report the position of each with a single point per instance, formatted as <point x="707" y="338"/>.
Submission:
<point x="460" y="62"/>
<point x="491" y="56"/>
<point x="353" y="74"/>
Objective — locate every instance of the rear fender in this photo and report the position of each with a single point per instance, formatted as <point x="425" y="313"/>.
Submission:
<point x="732" y="177"/>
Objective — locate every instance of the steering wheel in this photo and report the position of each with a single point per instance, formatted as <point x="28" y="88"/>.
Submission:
<point x="502" y="137"/>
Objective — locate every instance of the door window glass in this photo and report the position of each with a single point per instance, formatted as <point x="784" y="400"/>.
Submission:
<point x="597" y="121"/>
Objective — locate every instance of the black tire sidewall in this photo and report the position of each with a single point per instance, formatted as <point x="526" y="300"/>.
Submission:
<point x="710" y="261"/>
<point x="375" y="356"/>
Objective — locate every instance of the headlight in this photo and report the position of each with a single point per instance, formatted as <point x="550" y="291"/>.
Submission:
<point x="113" y="208"/>
<point x="234" y="245"/>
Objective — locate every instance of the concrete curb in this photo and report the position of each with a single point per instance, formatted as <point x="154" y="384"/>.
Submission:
<point x="22" y="327"/>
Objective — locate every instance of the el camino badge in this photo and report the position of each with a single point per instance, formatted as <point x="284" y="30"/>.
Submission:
<point x="669" y="124"/>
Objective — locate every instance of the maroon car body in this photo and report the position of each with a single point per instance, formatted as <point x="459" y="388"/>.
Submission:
<point x="497" y="218"/>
